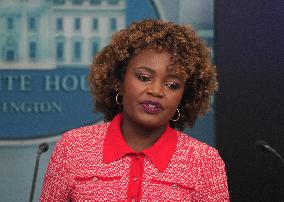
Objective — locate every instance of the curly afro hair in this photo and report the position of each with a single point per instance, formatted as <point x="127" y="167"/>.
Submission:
<point x="190" y="59"/>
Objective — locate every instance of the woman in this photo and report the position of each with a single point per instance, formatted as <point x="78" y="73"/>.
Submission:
<point x="153" y="77"/>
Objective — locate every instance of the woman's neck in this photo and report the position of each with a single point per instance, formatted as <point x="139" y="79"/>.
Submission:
<point x="139" y="137"/>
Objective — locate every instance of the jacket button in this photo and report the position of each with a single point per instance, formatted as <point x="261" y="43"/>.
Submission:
<point x="174" y="186"/>
<point x="95" y="179"/>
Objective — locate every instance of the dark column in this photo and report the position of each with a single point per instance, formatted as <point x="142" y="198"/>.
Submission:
<point x="249" y="55"/>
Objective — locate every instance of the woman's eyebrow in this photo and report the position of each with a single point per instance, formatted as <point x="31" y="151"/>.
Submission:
<point x="172" y="75"/>
<point x="148" y="69"/>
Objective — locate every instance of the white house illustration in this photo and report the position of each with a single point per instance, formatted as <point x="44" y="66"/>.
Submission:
<point x="49" y="34"/>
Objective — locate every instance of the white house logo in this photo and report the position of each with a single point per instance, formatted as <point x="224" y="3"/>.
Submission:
<point x="46" y="47"/>
<point x="41" y="34"/>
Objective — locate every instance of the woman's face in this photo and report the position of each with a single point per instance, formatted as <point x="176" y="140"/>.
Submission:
<point x="151" y="93"/>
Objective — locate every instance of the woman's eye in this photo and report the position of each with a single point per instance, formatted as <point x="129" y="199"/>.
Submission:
<point x="143" y="77"/>
<point x="172" y="85"/>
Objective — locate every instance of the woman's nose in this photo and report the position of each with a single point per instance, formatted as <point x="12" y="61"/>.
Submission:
<point x="155" y="89"/>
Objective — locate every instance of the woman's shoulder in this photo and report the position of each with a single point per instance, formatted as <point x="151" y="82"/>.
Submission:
<point x="90" y="134"/>
<point x="196" y="147"/>
<point x="96" y="128"/>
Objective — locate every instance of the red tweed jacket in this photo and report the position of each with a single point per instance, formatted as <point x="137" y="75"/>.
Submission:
<point x="94" y="163"/>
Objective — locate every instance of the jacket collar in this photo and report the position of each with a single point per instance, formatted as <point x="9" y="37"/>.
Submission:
<point x="160" y="153"/>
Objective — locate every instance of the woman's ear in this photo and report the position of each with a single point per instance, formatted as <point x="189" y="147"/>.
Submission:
<point x="117" y="86"/>
<point x="121" y="90"/>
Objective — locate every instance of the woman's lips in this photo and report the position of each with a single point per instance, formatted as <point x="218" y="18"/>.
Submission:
<point x="151" y="107"/>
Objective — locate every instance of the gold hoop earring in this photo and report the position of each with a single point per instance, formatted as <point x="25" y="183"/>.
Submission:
<point x="175" y="120"/>
<point x="116" y="99"/>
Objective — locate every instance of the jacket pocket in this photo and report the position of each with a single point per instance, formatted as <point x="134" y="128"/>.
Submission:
<point x="169" y="190"/>
<point x="173" y="185"/>
<point x="95" y="178"/>
<point x="96" y="188"/>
